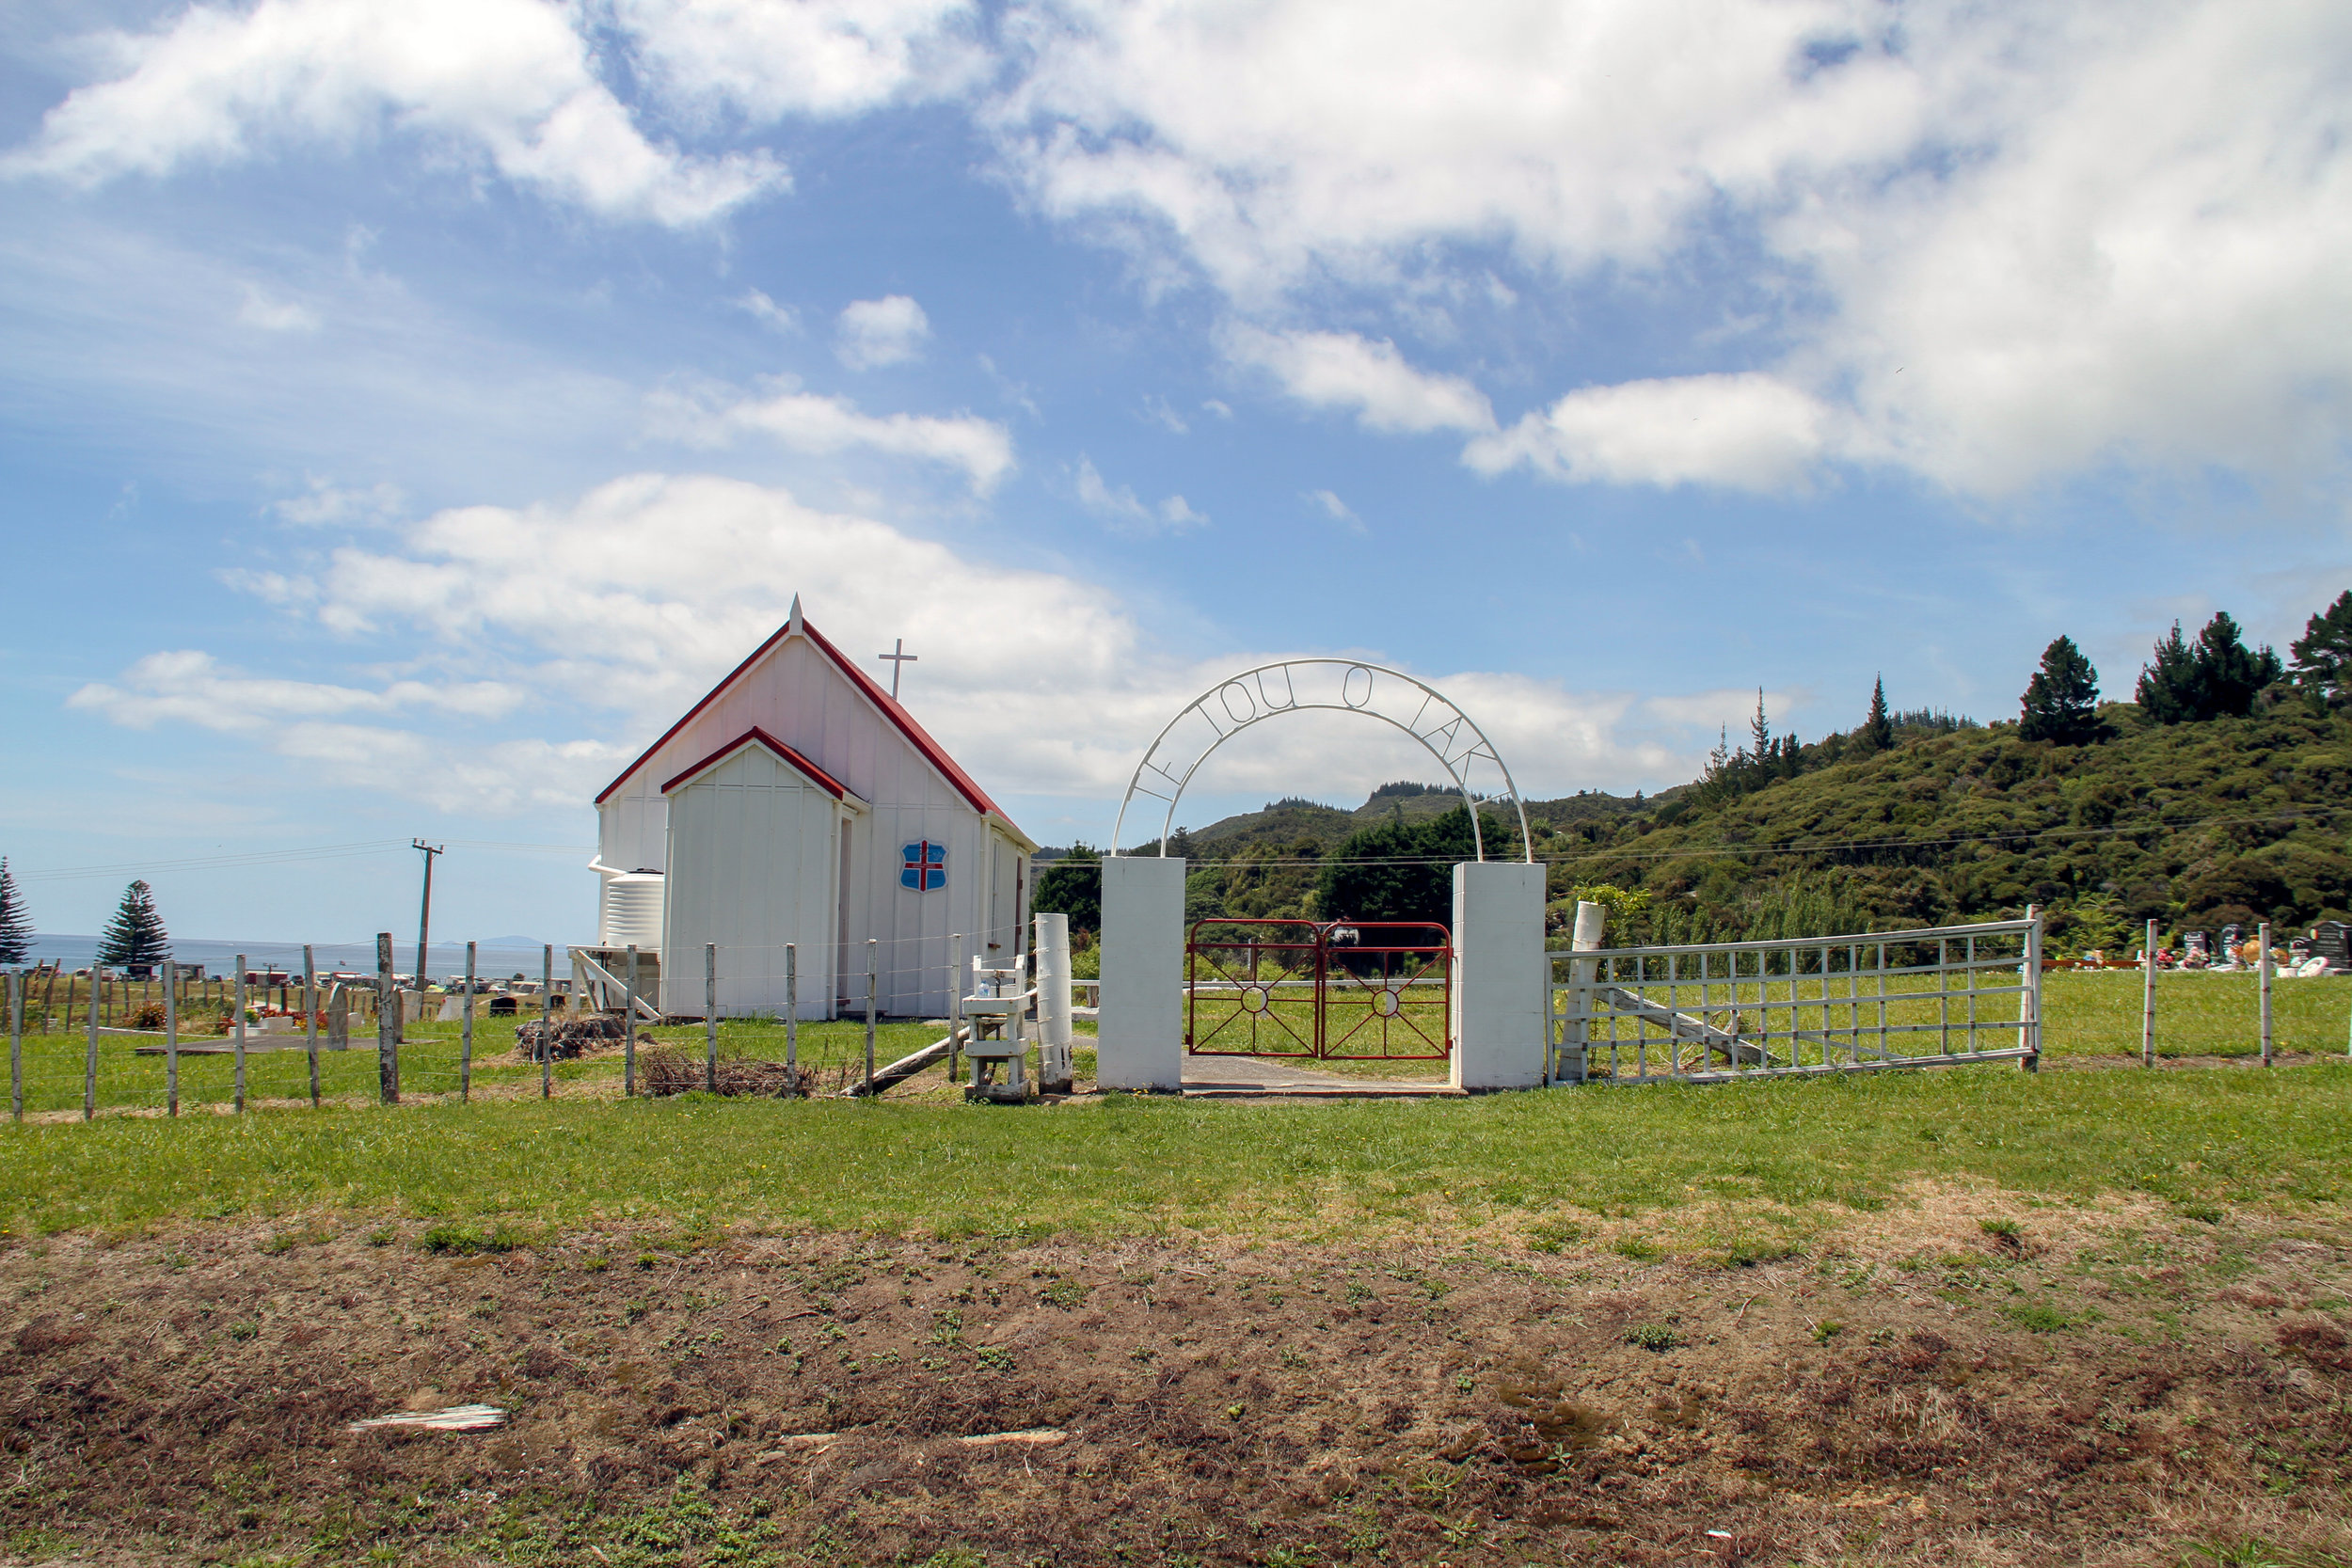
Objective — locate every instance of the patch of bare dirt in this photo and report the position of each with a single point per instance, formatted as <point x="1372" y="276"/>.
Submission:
<point x="2100" y="1389"/>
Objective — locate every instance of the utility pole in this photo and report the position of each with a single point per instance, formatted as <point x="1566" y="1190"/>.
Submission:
<point x="424" y="914"/>
<point x="899" y="658"/>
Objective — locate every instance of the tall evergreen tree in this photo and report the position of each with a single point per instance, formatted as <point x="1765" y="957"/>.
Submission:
<point x="134" y="938"/>
<point x="1073" y="886"/>
<point x="2061" y="701"/>
<point x="1877" y="731"/>
<point x="16" y="928"/>
<point x="2169" y="689"/>
<point x="2228" y="671"/>
<point x="2322" y="654"/>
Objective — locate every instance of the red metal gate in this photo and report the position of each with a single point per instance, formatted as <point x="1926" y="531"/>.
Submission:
<point x="1333" y="990"/>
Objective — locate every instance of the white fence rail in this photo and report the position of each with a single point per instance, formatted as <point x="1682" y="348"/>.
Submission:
<point x="1938" y="996"/>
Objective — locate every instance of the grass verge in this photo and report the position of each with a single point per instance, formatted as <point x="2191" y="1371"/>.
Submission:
<point x="2199" y="1139"/>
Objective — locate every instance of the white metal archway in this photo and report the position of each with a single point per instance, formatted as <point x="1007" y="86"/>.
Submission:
<point x="1333" y="685"/>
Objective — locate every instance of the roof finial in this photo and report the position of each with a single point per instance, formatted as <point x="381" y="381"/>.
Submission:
<point x="792" y="621"/>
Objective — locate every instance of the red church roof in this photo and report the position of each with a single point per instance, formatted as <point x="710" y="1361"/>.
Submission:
<point x="917" y="735"/>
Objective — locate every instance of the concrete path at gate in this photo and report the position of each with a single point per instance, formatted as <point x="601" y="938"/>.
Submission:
<point x="1214" y="1077"/>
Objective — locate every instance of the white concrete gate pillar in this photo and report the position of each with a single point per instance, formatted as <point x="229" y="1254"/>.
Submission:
<point x="1140" y="1043"/>
<point x="1501" y="1001"/>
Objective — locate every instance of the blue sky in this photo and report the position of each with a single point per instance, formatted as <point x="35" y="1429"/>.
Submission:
<point x="407" y="411"/>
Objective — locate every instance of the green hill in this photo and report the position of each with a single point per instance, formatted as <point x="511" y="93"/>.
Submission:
<point x="2195" y="825"/>
<point x="2192" y="824"/>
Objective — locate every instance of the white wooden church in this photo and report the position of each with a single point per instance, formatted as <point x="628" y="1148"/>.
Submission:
<point x="800" y="802"/>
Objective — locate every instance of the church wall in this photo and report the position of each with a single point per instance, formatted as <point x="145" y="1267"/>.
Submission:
<point x="753" y="861"/>
<point x="800" y="699"/>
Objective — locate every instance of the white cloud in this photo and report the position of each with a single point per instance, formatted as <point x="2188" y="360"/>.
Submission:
<point x="1127" y="514"/>
<point x="1336" y="509"/>
<point x="192" y="688"/>
<point x="325" y="504"/>
<point x="808" y="422"/>
<point x="1284" y="138"/>
<point x="1339" y="369"/>
<point x="819" y="57"/>
<point x="1158" y="410"/>
<point x="783" y="318"/>
<point x="469" y="587"/>
<point x="2005" y="244"/>
<point x="507" y="80"/>
<point x="275" y="315"/>
<point x="886" y="331"/>
<point x="1742" y="432"/>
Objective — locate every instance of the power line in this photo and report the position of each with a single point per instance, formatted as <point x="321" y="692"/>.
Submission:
<point x="280" y="857"/>
<point x="1793" y="847"/>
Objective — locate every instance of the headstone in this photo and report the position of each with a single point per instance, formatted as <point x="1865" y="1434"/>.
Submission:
<point x="2328" y="940"/>
<point x="2233" y="938"/>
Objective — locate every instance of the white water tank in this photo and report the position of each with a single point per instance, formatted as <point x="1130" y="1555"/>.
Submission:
<point x="632" y="912"/>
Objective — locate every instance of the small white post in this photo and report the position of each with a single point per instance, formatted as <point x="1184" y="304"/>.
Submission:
<point x="465" y="1052"/>
<point x="2261" y="936"/>
<point x="310" y="1018"/>
<point x="628" y="1048"/>
<point x="872" y="948"/>
<point x="2148" y="1000"/>
<point x="1053" y="1004"/>
<point x="710" y="1017"/>
<point x="1591" y="919"/>
<point x="2029" y="994"/>
<point x="792" y="1015"/>
<point x="955" y="1000"/>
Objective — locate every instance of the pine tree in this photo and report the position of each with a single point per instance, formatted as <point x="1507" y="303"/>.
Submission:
<point x="1877" y="731"/>
<point x="2228" y="672"/>
<point x="16" y="930"/>
<point x="2322" y="654"/>
<point x="2169" y="687"/>
<point x="2061" y="701"/>
<point x="134" y="938"/>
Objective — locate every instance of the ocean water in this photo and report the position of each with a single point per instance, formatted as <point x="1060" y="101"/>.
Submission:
<point x="500" y="959"/>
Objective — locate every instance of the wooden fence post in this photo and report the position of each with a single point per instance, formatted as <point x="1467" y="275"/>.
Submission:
<point x="710" y="1017"/>
<point x="90" y="1072"/>
<point x="464" y="1053"/>
<point x="2261" y="936"/>
<point x="629" y="1028"/>
<point x="240" y="1032"/>
<point x="872" y="950"/>
<point x="171" y="1042"/>
<point x="386" y="1024"/>
<point x="2148" y="1000"/>
<point x="547" y="1021"/>
<point x="310" y="1018"/>
<point x="792" y="1016"/>
<point x="16" y="1045"/>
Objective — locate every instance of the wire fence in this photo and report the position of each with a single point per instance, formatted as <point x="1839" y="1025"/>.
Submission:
<point x="163" y="1039"/>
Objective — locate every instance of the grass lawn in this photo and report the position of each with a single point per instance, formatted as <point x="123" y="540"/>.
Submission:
<point x="1691" y="1157"/>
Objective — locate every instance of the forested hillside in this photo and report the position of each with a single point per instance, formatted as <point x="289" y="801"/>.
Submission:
<point x="2222" y="794"/>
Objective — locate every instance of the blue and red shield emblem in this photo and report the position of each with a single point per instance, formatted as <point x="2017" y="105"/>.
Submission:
<point x="926" y="868"/>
